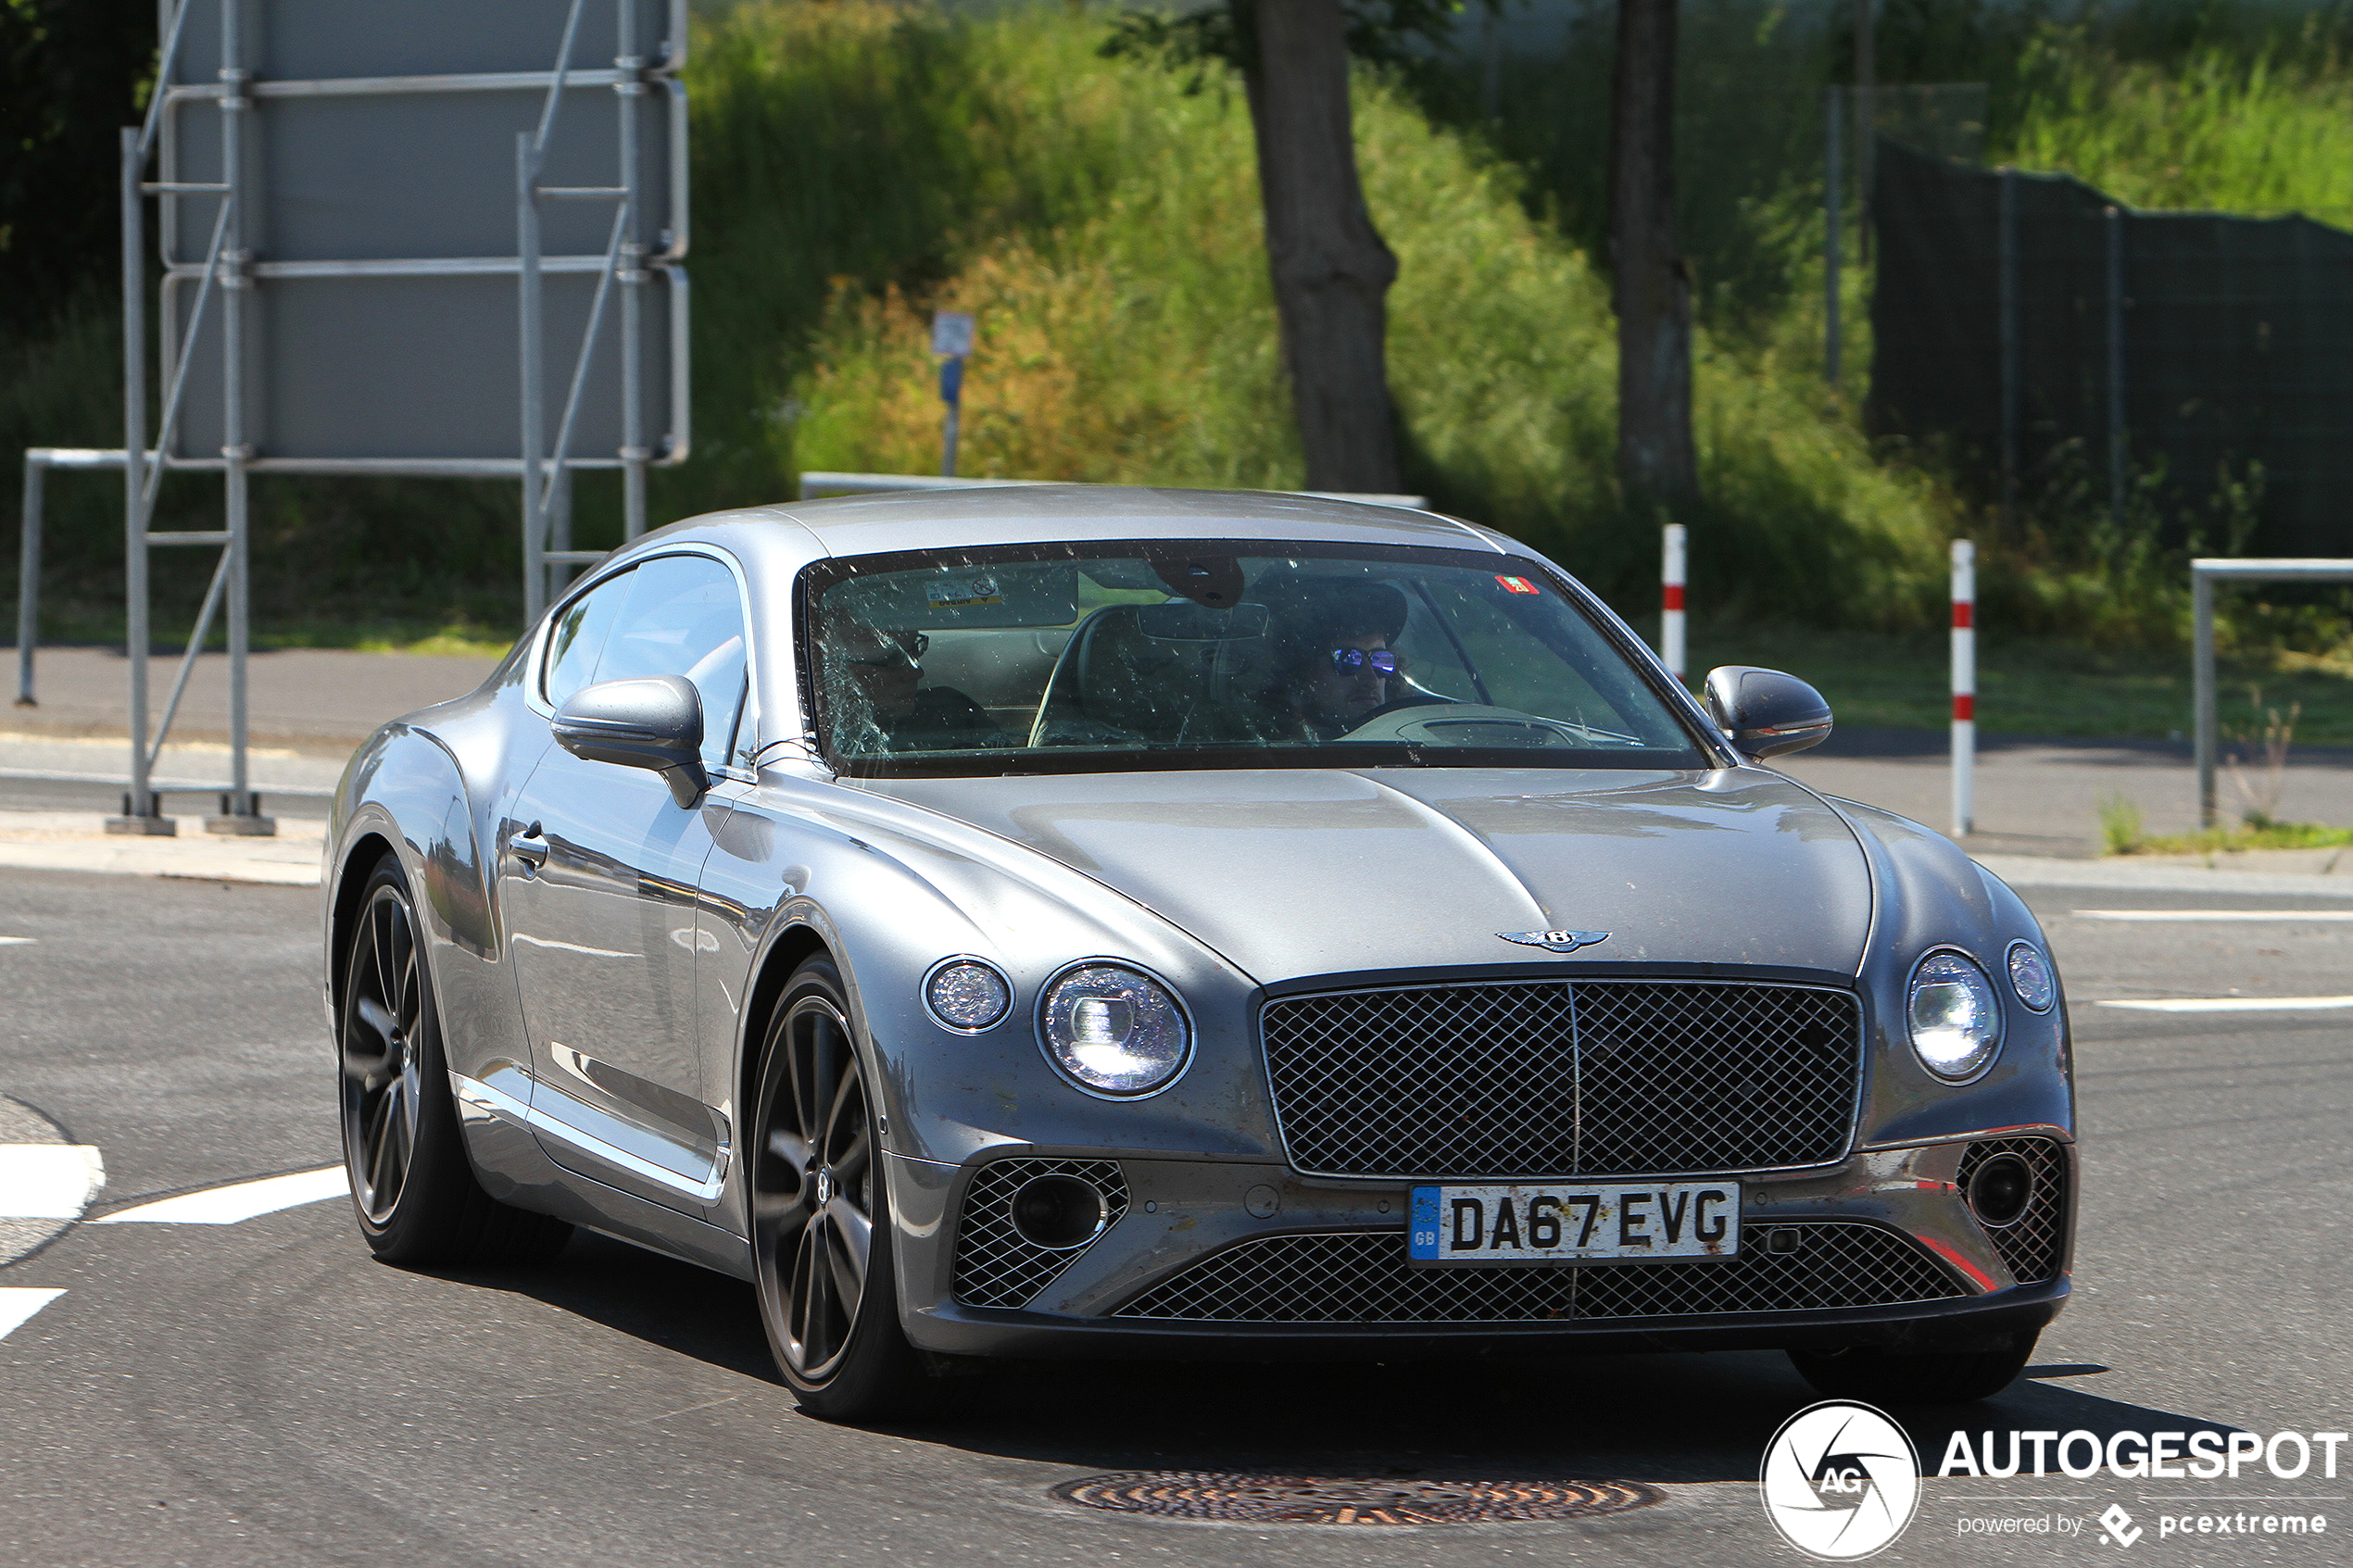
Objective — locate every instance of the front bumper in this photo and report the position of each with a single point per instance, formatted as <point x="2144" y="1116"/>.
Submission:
<point x="1941" y="1281"/>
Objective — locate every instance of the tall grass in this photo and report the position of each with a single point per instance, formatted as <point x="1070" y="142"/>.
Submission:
<point x="2217" y="128"/>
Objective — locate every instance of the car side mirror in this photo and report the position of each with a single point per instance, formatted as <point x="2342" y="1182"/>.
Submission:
<point x="1765" y="712"/>
<point x="652" y="722"/>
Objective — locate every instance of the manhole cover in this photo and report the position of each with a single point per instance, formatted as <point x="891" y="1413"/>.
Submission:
<point x="1290" y="1499"/>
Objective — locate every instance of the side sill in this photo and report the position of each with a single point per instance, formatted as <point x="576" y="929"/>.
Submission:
<point x="483" y="1098"/>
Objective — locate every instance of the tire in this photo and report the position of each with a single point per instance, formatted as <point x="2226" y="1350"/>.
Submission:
<point x="1943" y="1377"/>
<point x="412" y="1187"/>
<point x="821" y="1258"/>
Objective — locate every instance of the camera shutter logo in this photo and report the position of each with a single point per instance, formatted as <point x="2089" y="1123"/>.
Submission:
<point x="1839" y="1481"/>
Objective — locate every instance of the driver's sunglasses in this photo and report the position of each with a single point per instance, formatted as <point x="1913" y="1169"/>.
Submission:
<point x="911" y="645"/>
<point x="1348" y="662"/>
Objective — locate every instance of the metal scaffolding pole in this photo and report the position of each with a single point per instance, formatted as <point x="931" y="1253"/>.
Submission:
<point x="535" y="567"/>
<point x="531" y="152"/>
<point x="632" y="88"/>
<point x="29" y="580"/>
<point x="140" y="814"/>
<point x="240" y="813"/>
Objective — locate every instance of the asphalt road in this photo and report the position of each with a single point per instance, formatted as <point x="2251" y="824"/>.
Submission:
<point x="263" y="1393"/>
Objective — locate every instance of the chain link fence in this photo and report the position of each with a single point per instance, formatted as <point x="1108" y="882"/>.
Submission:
<point x="2055" y="338"/>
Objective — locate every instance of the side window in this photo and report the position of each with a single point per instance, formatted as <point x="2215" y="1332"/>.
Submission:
<point x="684" y="616"/>
<point x="579" y="639"/>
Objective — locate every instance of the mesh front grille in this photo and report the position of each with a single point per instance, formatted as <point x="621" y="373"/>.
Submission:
<point x="1363" y="1277"/>
<point x="1561" y="1078"/>
<point x="995" y="1267"/>
<point x="2035" y="1245"/>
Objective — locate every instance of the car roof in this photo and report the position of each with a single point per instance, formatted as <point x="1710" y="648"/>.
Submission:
<point x="1015" y="514"/>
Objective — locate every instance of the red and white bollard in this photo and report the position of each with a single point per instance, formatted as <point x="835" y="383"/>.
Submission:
<point x="1964" y="687"/>
<point x="1670" y="604"/>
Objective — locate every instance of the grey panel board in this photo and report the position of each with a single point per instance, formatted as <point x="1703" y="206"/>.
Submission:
<point x="419" y="175"/>
<point x="306" y="40"/>
<point x="410" y="368"/>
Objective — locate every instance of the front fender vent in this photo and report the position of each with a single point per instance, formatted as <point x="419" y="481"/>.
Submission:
<point x="996" y="1266"/>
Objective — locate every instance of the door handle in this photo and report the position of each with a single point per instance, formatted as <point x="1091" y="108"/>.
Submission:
<point x="529" y="847"/>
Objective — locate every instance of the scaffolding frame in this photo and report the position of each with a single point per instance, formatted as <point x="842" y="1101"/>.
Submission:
<point x="229" y="270"/>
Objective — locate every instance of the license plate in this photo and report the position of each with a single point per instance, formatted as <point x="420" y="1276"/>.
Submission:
<point x="1531" y="1223"/>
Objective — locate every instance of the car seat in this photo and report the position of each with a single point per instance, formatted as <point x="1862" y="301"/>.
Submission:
<point x="1116" y="685"/>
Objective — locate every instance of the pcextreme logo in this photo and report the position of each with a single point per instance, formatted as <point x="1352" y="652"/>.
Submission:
<point x="1839" y="1481"/>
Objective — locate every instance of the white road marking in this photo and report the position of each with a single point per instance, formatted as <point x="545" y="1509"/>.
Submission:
<point x="2202" y="917"/>
<point x="239" y="1201"/>
<point x="48" y="1181"/>
<point x="17" y="941"/>
<point x="2234" y="1004"/>
<point x="18" y="1302"/>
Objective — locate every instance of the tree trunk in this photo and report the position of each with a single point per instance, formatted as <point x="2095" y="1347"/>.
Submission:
<point x="1331" y="269"/>
<point x="1652" y="287"/>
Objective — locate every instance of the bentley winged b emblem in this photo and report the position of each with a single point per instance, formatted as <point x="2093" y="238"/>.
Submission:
<point x="1554" y="941"/>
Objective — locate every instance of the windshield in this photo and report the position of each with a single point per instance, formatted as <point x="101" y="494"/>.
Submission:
<point x="1092" y="657"/>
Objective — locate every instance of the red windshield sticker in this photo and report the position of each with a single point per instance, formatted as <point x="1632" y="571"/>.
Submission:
<point x="1517" y="585"/>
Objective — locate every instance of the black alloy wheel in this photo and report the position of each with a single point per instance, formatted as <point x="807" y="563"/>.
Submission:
<point x="383" y="1050"/>
<point x="412" y="1185"/>
<point x="819" y="1213"/>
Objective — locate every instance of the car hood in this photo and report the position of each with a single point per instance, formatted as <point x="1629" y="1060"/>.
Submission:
<point x="1302" y="872"/>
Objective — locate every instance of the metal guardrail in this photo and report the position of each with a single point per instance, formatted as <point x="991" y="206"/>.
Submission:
<point x="38" y="461"/>
<point x="167" y="786"/>
<point x="2204" y="574"/>
<point x="818" y="481"/>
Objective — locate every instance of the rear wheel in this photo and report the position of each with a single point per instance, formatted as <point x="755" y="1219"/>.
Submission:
<point x="411" y="1185"/>
<point x="821" y="1215"/>
<point x="1945" y="1377"/>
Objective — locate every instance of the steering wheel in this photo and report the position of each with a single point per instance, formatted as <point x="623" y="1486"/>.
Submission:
<point x="1464" y="724"/>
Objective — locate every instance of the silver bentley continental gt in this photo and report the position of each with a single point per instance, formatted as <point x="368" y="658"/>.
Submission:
<point x="1070" y="921"/>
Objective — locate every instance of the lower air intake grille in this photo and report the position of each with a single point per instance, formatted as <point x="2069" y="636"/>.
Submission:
<point x="1362" y="1277"/>
<point x="995" y="1265"/>
<point x="2035" y="1244"/>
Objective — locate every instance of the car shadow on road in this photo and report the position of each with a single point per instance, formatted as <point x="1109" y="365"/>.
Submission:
<point x="1653" y="1418"/>
<point x="688" y="1311"/>
<point x="1659" y="1418"/>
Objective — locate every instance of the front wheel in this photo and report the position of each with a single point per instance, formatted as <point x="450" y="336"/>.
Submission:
<point x="1940" y="1377"/>
<point x="412" y="1187"/>
<point x="821" y="1215"/>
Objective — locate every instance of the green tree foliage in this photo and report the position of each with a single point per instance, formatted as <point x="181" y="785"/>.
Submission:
<point x="71" y="72"/>
<point x="1386" y="31"/>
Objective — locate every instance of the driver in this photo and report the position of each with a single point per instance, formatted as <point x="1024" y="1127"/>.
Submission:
<point x="877" y="676"/>
<point x="1333" y="665"/>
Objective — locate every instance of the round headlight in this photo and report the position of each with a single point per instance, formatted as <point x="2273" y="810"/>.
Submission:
<point x="2030" y="976"/>
<point x="1114" y="1030"/>
<point x="1955" y="1020"/>
<point x="967" y="995"/>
